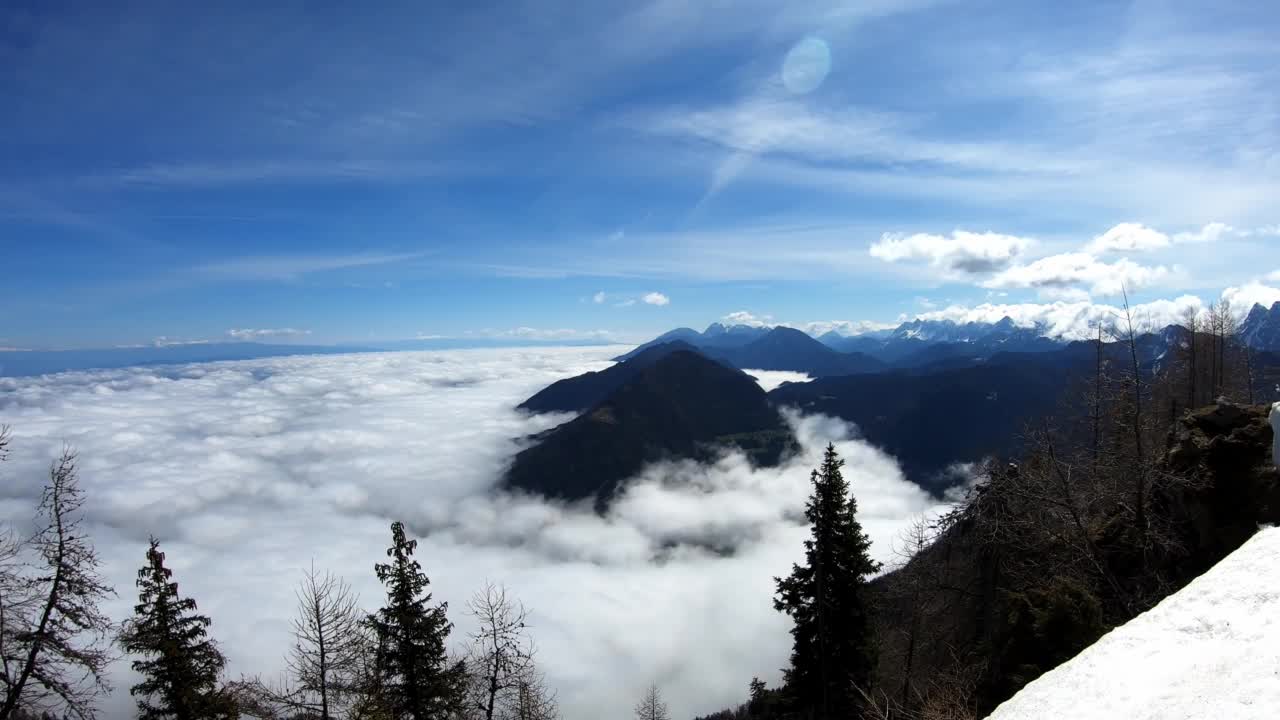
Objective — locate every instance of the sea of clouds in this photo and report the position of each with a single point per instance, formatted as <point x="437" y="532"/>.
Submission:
<point x="250" y="471"/>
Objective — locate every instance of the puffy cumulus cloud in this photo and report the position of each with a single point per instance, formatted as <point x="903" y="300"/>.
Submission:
<point x="1136" y="237"/>
<point x="264" y="333"/>
<point x="1243" y="298"/>
<point x="742" y="317"/>
<point x="1072" y="320"/>
<point x="961" y="252"/>
<point x="1128" y="237"/>
<point x="599" y="298"/>
<point x="655" y="298"/>
<point x="1058" y="272"/>
<point x="248" y="471"/>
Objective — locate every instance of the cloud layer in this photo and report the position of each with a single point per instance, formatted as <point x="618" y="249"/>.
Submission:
<point x="248" y="471"/>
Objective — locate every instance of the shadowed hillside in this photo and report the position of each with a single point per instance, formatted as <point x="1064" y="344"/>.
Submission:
<point x="682" y="406"/>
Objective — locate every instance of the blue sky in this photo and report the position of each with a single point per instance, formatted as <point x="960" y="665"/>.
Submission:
<point x="323" y="172"/>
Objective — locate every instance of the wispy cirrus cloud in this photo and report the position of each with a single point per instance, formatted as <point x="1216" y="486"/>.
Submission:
<point x="265" y="333"/>
<point x="164" y="341"/>
<point x="533" y="333"/>
<point x="290" y="267"/>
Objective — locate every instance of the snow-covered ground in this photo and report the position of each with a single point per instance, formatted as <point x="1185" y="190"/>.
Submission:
<point x="1209" y="651"/>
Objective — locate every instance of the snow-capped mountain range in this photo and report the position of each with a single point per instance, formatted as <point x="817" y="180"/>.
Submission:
<point x="922" y="342"/>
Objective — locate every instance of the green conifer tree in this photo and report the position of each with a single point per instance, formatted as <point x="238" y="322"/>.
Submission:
<point x="832" y="655"/>
<point x="181" y="664"/>
<point x="417" y="679"/>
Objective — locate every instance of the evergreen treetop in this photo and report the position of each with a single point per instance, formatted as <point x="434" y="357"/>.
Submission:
<point x="832" y="656"/>
<point x="417" y="677"/>
<point x="180" y="664"/>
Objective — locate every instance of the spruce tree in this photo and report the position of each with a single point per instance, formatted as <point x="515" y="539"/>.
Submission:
<point x="181" y="664"/>
<point x="832" y="655"/>
<point x="417" y="679"/>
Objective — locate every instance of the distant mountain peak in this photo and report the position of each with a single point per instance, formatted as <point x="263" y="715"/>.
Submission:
<point x="1261" y="328"/>
<point x="782" y="331"/>
<point x="577" y="394"/>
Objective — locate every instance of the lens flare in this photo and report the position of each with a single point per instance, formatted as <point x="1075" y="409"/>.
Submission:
<point x="806" y="65"/>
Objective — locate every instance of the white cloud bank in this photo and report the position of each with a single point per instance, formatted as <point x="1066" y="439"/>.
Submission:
<point x="1243" y="298"/>
<point x="1128" y="237"/>
<point x="1136" y="237"/>
<point x="248" y="471"/>
<point x="1072" y="320"/>
<point x="1068" y="270"/>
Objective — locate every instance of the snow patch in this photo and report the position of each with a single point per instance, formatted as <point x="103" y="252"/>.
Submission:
<point x="1211" y="650"/>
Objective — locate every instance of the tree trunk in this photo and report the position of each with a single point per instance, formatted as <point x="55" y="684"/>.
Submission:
<point x="37" y="639"/>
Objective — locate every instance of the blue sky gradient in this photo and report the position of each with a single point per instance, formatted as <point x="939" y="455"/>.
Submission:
<point x="329" y="172"/>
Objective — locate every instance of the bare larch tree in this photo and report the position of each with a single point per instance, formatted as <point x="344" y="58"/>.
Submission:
<point x="54" y="641"/>
<point x="327" y="643"/>
<point x="532" y="701"/>
<point x="323" y="667"/>
<point x="651" y="706"/>
<point x="500" y="659"/>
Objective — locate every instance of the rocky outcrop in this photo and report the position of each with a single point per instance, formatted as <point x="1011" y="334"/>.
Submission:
<point x="1226" y="449"/>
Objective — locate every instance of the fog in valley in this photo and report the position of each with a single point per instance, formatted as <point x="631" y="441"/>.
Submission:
<point x="250" y="471"/>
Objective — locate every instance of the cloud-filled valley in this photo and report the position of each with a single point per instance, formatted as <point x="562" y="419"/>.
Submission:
<point x="248" y="471"/>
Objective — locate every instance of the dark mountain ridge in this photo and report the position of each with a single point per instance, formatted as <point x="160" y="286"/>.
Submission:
<point x="576" y="394"/>
<point x="716" y="336"/>
<point x="682" y="405"/>
<point x="930" y="421"/>
<point x="784" y="348"/>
